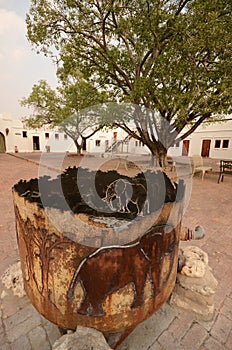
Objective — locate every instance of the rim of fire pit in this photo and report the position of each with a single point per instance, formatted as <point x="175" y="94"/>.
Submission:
<point x="98" y="231"/>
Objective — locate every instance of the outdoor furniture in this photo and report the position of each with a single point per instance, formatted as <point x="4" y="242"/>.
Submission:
<point x="122" y="162"/>
<point x="198" y="166"/>
<point x="225" y="168"/>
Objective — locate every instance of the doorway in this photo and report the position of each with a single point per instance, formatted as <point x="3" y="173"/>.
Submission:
<point x="36" y="146"/>
<point x="2" y="143"/>
<point x="115" y="135"/>
<point x="185" y="148"/>
<point x="205" y="148"/>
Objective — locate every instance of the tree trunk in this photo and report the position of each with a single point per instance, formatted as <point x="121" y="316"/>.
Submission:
<point x="78" y="147"/>
<point x="159" y="152"/>
<point x="84" y="144"/>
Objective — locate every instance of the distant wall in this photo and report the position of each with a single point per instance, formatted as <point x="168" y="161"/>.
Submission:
<point x="218" y="136"/>
<point x="16" y="137"/>
<point x="21" y="139"/>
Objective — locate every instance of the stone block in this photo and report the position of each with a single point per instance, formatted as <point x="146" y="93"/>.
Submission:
<point x="195" y="284"/>
<point x="52" y="332"/>
<point x="21" y="323"/>
<point x="205" y="313"/>
<point x="83" y="338"/>
<point x="205" y="285"/>
<point x="38" y="339"/>
<point x="21" y="343"/>
<point x="203" y="300"/>
<point x="13" y="279"/>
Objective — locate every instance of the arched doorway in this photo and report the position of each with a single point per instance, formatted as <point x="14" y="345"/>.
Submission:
<point x="2" y="143"/>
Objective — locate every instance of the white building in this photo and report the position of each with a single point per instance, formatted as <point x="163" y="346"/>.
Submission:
<point x="14" y="137"/>
<point x="212" y="140"/>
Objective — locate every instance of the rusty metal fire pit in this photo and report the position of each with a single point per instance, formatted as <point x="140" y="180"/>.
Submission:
<point x="110" y="268"/>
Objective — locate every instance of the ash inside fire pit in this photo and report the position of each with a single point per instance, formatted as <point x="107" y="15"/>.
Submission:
<point x="103" y="194"/>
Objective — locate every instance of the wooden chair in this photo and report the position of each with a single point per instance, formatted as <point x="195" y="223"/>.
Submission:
<point x="198" y="166"/>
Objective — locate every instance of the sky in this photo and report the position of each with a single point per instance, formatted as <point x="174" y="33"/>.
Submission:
<point x="20" y="66"/>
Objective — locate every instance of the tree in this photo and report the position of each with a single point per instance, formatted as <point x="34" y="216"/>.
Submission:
<point x="66" y="107"/>
<point x="45" y="105"/>
<point x="167" y="56"/>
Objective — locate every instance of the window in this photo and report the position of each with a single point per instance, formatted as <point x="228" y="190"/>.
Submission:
<point x="139" y="144"/>
<point x="222" y="143"/>
<point x="225" y="144"/>
<point x="46" y="135"/>
<point x="65" y="136"/>
<point x="98" y="143"/>
<point x="24" y="133"/>
<point x="57" y="136"/>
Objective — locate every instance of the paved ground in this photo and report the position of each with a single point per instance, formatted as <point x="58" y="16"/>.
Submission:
<point x="21" y="327"/>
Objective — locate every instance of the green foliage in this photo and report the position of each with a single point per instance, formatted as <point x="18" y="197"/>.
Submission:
<point x="45" y="104"/>
<point x="171" y="56"/>
<point x="66" y="107"/>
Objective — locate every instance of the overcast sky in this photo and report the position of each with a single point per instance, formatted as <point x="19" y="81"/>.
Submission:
<point x="20" y="66"/>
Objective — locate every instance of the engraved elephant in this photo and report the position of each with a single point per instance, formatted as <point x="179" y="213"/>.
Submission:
<point x="110" y="268"/>
<point x="122" y="196"/>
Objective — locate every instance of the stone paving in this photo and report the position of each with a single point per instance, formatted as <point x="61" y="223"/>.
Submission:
<point x="21" y="327"/>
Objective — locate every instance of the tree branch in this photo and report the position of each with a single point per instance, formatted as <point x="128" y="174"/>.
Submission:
<point x="194" y="127"/>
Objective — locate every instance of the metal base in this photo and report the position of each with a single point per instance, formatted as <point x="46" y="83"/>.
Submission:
<point x="115" y="339"/>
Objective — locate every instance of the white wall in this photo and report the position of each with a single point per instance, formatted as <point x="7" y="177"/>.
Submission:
<point x="14" y="139"/>
<point x="176" y="150"/>
<point x="213" y="132"/>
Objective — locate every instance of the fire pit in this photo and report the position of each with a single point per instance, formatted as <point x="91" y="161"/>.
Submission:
<point x="98" y="249"/>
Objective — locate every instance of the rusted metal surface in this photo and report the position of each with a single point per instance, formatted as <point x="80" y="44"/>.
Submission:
<point x="110" y="288"/>
<point x="113" y="268"/>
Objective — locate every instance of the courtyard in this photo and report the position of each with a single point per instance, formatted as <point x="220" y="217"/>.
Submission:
<point x="210" y="206"/>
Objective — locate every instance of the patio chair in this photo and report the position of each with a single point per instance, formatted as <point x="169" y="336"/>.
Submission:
<point x="198" y="166"/>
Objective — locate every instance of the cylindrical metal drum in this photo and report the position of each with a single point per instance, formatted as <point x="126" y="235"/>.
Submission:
<point x="105" y="272"/>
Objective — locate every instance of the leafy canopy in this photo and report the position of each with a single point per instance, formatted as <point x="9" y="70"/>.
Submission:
<point x="170" y="56"/>
<point x="66" y="107"/>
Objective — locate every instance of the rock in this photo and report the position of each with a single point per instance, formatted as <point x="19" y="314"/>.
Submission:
<point x="204" y="313"/>
<point x="13" y="279"/>
<point x="192" y="261"/>
<point x="83" y="339"/>
<point x="199" y="232"/>
<point x="195" y="284"/>
<point x="205" y="285"/>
